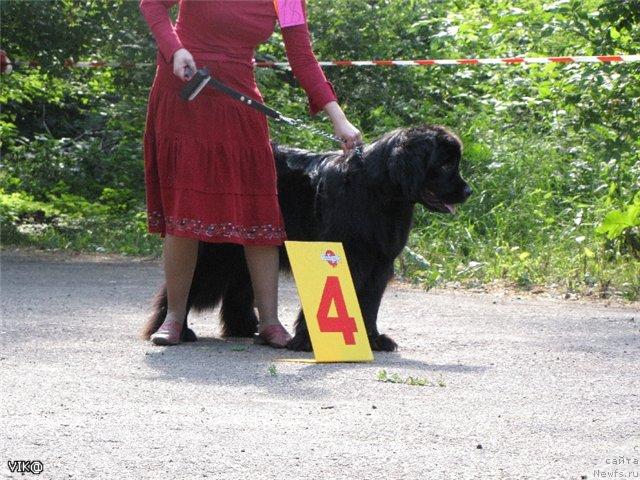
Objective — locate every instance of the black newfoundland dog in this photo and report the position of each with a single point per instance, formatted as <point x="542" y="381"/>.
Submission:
<point x="366" y="202"/>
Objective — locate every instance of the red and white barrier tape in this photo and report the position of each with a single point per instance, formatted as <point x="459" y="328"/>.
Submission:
<point x="485" y="61"/>
<point x="390" y="63"/>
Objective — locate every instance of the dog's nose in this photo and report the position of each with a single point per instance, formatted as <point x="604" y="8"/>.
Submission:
<point x="467" y="191"/>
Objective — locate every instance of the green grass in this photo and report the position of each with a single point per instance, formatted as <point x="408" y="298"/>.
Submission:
<point x="70" y="222"/>
<point x="98" y="235"/>
<point x="531" y="221"/>
<point x="385" y="377"/>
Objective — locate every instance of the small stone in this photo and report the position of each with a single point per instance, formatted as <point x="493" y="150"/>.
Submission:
<point x="479" y="447"/>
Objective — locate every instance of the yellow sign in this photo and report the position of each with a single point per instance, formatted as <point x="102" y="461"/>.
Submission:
<point x="329" y="302"/>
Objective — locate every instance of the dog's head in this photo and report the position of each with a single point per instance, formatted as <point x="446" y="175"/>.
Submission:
<point x="424" y="163"/>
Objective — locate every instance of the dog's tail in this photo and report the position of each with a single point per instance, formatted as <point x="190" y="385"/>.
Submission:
<point x="158" y="314"/>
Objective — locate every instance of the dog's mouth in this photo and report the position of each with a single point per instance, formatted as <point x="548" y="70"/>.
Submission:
<point x="433" y="203"/>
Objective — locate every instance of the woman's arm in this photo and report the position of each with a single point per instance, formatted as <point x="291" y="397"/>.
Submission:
<point x="319" y="90"/>
<point x="156" y="14"/>
<point x="305" y="67"/>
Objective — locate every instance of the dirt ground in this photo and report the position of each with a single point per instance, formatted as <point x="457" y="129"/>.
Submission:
<point x="516" y="386"/>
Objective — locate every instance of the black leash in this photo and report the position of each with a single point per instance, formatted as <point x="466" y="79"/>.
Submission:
<point x="203" y="78"/>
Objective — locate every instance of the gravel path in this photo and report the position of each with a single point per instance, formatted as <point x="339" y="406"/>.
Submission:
<point x="519" y="388"/>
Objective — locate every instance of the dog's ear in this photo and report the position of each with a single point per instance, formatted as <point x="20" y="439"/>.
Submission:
<point x="407" y="161"/>
<point x="448" y="146"/>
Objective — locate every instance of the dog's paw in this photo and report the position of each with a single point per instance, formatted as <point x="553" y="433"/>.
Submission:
<point x="383" y="343"/>
<point x="300" y="343"/>
<point x="188" y="335"/>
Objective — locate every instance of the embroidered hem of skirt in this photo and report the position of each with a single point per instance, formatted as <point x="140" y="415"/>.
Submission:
<point x="227" y="232"/>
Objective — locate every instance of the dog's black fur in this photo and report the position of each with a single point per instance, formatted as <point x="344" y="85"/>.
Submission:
<point x="364" y="202"/>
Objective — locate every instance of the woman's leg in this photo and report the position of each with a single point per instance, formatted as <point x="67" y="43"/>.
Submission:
<point x="180" y="256"/>
<point x="263" y="262"/>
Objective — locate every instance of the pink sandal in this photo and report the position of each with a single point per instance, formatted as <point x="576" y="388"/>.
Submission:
<point x="275" y="336"/>
<point x="169" y="333"/>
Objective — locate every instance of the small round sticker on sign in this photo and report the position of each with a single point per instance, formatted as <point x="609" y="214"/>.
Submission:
<point x="330" y="257"/>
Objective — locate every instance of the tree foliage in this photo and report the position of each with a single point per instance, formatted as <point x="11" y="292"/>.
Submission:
<point x="551" y="150"/>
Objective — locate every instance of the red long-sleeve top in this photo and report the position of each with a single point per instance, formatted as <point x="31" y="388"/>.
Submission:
<point x="232" y="29"/>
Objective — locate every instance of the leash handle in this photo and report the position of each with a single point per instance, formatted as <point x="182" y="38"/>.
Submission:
<point x="203" y="77"/>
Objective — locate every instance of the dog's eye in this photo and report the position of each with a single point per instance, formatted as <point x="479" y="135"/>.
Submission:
<point x="447" y="168"/>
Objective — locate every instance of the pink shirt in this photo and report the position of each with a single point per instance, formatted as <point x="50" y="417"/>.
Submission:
<point x="231" y="30"/>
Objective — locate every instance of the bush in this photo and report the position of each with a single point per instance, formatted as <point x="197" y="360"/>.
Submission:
<point x="551" y="150"/>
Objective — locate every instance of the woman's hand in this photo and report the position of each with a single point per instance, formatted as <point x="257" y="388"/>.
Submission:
<point x="350" y="135"/>
<point x="183" y="65"/>
<point x="342" y="127"/>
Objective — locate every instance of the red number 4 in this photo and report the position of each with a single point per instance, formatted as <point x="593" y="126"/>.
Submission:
<point x="343" y="323"/>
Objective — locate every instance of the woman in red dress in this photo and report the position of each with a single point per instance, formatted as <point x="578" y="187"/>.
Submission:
<point x="209" y="168"/>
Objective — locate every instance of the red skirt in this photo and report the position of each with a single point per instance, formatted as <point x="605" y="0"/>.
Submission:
<point x="209" y="167"/>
